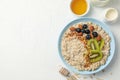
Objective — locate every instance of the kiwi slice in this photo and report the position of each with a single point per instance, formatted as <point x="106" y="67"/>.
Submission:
<point x="98" y="58"/>
<point x="93" y="44"/>
<point x="93" y="56"/>
<point x="95" y="50"/>
<point x="94" y="53"/>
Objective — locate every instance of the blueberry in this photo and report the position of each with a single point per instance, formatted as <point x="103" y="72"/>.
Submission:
<point x="85" y="26"/>
<point x="87" y="31"/>
<point x="78" y="30"/>
<point x="88" y="37"/>
<point x="83" y="31"/>
<point x="95" y="34"/>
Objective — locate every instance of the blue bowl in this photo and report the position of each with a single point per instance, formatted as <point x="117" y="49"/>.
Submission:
<point x="112" y="44"/>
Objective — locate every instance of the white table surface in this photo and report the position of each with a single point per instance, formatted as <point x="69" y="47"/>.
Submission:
<point x="29" y="31"/>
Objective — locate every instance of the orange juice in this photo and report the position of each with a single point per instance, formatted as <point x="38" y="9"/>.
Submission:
<point x="79" y="7"/>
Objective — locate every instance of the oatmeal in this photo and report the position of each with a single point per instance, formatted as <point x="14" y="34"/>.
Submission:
<point x="85" y="46"/>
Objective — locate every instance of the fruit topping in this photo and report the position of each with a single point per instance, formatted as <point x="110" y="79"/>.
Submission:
<point x="79" y="34"/>
<point x="85" y="26"/>
<point x="93" y="44"/>
<point x="92" y="41"/>
<point x="93" y="55"/>
<point x="98" y="38"/>
<point x="95" y="50"/>
<point x="96" y="58"/>
<point x="78" y="30"/>
<point x="91" y="28"/>
<point x="72" y="29"/>
<point x="88" y="37"/>
<point x="83" y="31"/>
<point x="95" y="34"/>
<point x="87" y="31"/>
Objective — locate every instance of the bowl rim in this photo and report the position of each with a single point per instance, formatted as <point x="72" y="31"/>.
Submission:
<point x="88" y="8"/>
<point x="112" y="51"/>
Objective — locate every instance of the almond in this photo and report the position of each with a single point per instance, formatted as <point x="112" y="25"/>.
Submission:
<point x="91" y="28"/>
<point x="98" y="38"/>
<point x="72" y="28"/>
<point x="79" y="34"/>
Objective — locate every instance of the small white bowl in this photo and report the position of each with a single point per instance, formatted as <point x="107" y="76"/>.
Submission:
<point x="111" y="15"/>
<point x="88" y="8"/>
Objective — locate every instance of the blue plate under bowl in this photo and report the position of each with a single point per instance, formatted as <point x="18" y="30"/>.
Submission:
<point x="112" y="44"/>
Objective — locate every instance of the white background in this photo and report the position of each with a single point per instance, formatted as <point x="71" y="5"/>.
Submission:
<point x="29" y="31"/>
